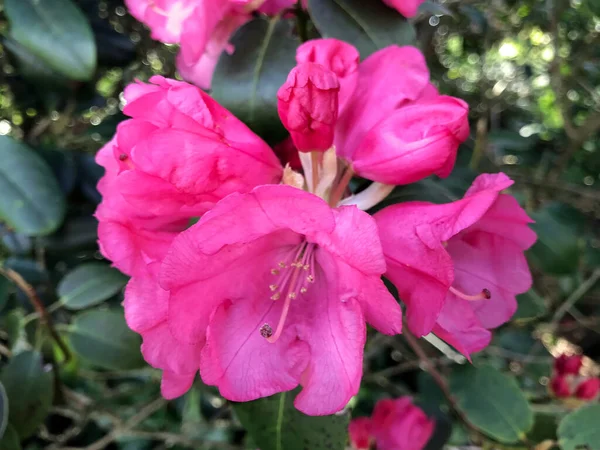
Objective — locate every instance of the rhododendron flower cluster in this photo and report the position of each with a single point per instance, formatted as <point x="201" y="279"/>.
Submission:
<point x="567" y="383"/>
<point x="395" y="425"/>
<point x="273" y="286"/>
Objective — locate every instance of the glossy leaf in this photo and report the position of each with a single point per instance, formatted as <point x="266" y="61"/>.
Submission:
<point x="531" y="306"/>
<point x="90" y="284"/>
<point x="3" y="410"/>
<point x="10" y="439"/>
<point x="102" y="338"/>
<point x="31" y="200"/>
<point x="581" y="428"/>
<point x="369" y="26"/>
<point x="29" y="388"/>
<point x="492" y="402"/>
<point x="274" y="424"/>
<point x="246" y="82"/>
<point x="558" y="248"/>
<point x="56" y="32"/>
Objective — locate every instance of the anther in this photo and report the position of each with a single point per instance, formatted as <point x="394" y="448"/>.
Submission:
<point x="292" y="295"/>
<point x="310" y="279"/>
<point x="306" y="266"/>
<point x="266" y="331"/>
<point x="275" y="296"/>
<point x="274" y="272"/>
<point x="273" y="287"/>
<point x="282" y="265"/>
<point x="303" y="290"/>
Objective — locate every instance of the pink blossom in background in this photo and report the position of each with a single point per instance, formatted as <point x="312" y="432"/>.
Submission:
<point x="177" y="156"/>
<point x="394" y="425"/>
<point x="588" y="389"/>
<point x="408" y="8"/>
<point x="568" y="365"/>
<point x="559" y="386"/>
<point x="458" y="266"/>
<point x="203" y="28"/>
<point x="308" y="106"/>
<point x="276" y="286"/>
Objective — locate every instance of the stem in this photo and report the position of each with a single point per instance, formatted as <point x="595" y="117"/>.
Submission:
<point x="575" y="296"/>
<point x="45" y="318"/>
<point x="301" y="22"/>
<point x="338" y="191"/>
<point x="314" y="161"/>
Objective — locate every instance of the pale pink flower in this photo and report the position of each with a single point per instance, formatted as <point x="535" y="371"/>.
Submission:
<point x="275" y="286"/>
<point x="459" y="266"/>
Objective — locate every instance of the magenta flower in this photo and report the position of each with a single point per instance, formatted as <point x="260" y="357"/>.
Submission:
<point x="394" y="425"/>
<point x="150" y="191"/>
<point x="459" y="266"/>
<point x="308" y="106"/>
<point x="274" y="287"/>
<point x="408" y="8"/>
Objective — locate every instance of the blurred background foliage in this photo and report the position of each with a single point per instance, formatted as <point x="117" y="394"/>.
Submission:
<point x="71" y="370"/>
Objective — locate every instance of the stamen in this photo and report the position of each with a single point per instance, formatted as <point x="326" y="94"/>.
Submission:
<point x="290" y="284"/>
<point x="123" y="156"/>
<point x="485" y="294"/>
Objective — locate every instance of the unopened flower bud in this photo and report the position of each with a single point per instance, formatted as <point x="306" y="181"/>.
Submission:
<point x="560" y="386"/>
<point x="565" y="365"/>
<point x="308" y="106"/>
<point x="588" y="389"/>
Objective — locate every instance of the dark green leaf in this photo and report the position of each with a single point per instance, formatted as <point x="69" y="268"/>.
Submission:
<point x="531" y="306"/>
<point x="3" y="410"/>
<point x="10" y="440"/>
<point x="31" y="200"/>
<point x="274" y="424"/>
<point x="247" y="81"/>
<point x="56" y="32"/>
<point x="90" y="284"/>
<point x="30" y="391"/>
<point x="580" y="428"/>
<point x="4" y="290"/>
<point x="102" y="338"/>
<point x="12" y="323"/>
<point x="367" y="25"/>
<point x="492" y="402"/>
<point x="558" y="248"/>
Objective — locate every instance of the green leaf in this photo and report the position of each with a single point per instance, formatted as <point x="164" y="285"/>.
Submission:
<point x="90" y="284"/>
<point x="30" y="391"/>
<point x="275" y="424"/>
<point x="492" y="402"/>
<point x="580" y="428"/>
<point x="3" y="410"/>
<point x="56" y="32"/>
<point x="4" y="291"/>
<point x="367" y="25"/>
<point x="12" y="322"/>
<point x="102" y="338"/>
<point x="10" y="440"/>
<point x="31" y="200"/>
<point x="531" y="306"/>
<point x="558" y="248"/>
<point x="247" y="81"/>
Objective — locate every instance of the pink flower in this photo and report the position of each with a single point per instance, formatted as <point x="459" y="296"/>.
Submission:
<point x="394" y="425"/>
<point x="274" y="287"/>
<point x="588" y="389"/>
<point x="308" y="106"/>
<point x="177" y="156"/>
<point x="396" y="128"/>
<point x="408" y="8"/>
<point x="360" y="431"/>
<point x="459" y="266"/>
<point x="559" y="386"/>
<point x="568" y="365"/>
<point x="339" y="57"/>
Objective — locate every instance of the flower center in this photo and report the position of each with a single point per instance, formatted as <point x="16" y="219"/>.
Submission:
<point x="485" y="294"/>
<point x="294" y="274"/>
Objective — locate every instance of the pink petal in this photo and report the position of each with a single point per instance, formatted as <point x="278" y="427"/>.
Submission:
<point x="174" y="385"/>
<point x="458" y="325"/>
<point x="146" y="304"/>
<point x="163" y="351"/>
<point x="408" y="8"/>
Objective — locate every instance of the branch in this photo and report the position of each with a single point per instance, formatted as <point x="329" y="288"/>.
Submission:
<point x="574" y="297"/>
<point x="45" y="318"/>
